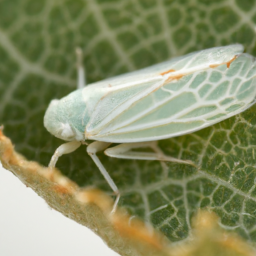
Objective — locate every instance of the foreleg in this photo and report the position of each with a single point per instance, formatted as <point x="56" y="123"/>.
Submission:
<point x="65" y="148"/>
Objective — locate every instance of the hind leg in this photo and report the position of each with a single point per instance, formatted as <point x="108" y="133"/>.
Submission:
<point x="125" y="151"/>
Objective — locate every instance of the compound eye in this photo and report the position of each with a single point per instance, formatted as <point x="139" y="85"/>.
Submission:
<point x="66" y="131"/>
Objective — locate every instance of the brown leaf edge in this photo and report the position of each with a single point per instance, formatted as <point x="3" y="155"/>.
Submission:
<point x="88" y="207"/>
<point x="92" y="208"/>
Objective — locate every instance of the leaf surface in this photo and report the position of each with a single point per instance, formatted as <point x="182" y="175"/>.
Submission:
<point x="37" y="53"/>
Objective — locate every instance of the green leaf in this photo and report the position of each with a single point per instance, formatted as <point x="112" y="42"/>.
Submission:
<point x="37" y="53"/>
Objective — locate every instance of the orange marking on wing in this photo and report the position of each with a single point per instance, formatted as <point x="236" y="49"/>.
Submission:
<point x="168" y="71"/>
<point x="215" y="65"/>
<point x="171" y="78"/>
<point x="227" y="63"/>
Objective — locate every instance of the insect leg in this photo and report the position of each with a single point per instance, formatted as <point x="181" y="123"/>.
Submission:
<point x="81" y="82"/>
<point x="92" y="149"/>
<point x="65" y="148"/>
<point x="125" y="151"/>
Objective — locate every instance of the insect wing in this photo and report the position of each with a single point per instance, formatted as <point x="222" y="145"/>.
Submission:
<point x="180" y="65"/>
<point x="156" y="108"/>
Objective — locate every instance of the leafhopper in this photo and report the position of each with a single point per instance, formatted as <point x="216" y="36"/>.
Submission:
<point x="173" y="98"/>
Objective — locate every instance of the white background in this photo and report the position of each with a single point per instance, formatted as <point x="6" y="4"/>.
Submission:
<point x="29" y="227"/>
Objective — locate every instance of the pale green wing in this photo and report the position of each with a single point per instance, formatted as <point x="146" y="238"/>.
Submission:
<point x="181" y="65"/>
<point x="132" y="106"/>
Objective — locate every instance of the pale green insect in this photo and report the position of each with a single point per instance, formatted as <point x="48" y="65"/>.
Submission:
<point x="173" y="98"/>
